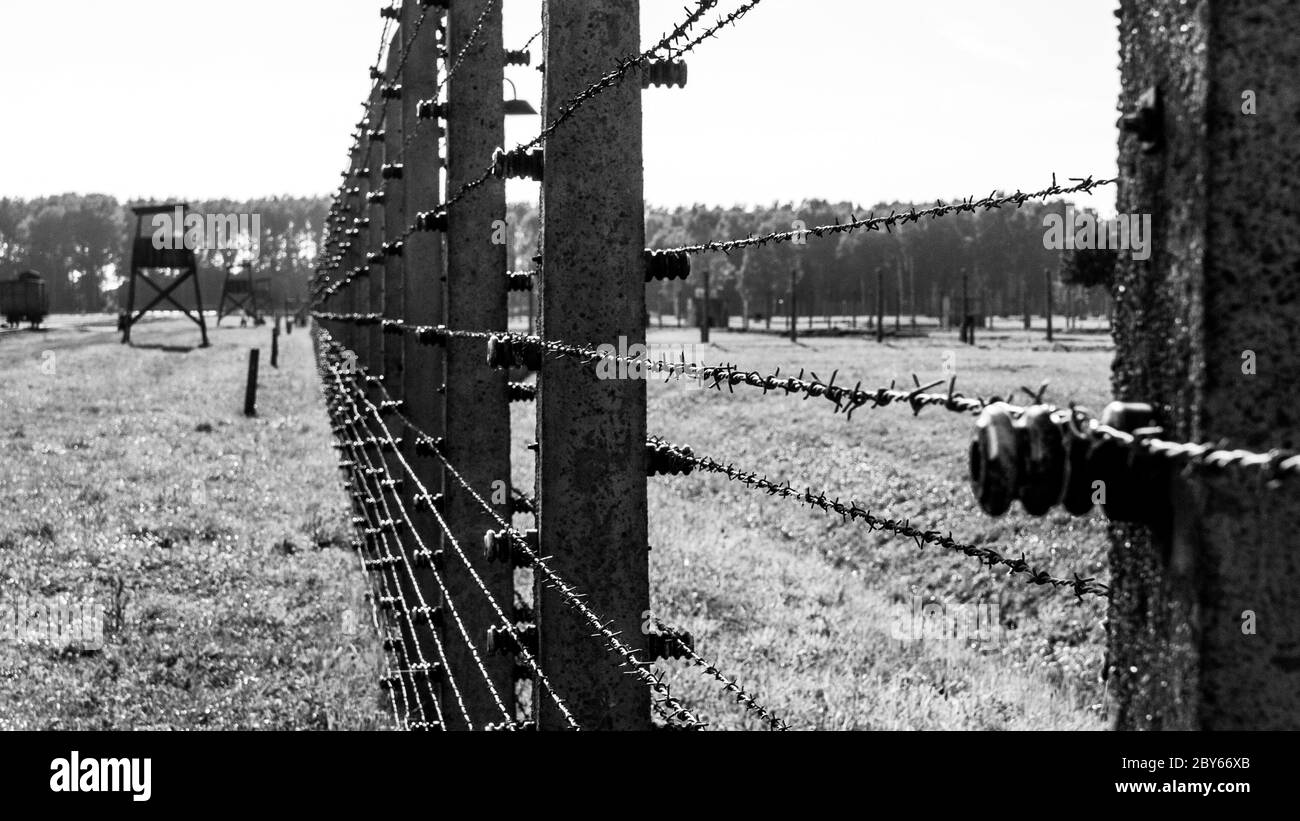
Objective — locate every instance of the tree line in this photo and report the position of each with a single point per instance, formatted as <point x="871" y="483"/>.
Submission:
<point x="1001" y="253"/>
<point x="81" y="245"/>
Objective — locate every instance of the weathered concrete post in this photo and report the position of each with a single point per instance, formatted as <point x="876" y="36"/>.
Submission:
<point x="1205" y="618"/>
<point x="477" y="406"/>
<point x="591" y="465"/>
<point x="364" y="242"/>
<point x="422" y="365"/>
<point x="392" y="174"/>
<point x="373" y="258"/>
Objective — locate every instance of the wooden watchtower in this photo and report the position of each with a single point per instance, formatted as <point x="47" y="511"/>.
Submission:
<point x="160" y="244"/>
<point x="240" y="293"/>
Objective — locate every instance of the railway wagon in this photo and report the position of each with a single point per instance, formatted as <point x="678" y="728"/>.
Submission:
<point x="24" y="300"/>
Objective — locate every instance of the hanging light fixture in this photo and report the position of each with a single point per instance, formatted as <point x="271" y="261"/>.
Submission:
<point x="516" y="106"/>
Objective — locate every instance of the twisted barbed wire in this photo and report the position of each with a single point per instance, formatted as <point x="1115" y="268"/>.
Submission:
<point x="730" y="685"/>
<point x="379" y="77"/>
<point x="368" y="481"/>
<point x="613" y="78"/>
<point x="508" y="624"/>
<point x="1080" y="585"/>
<point x="389" y="654"/>
<point x="667" y="704"/>
<point x="469" y="42"/>
<point x="531" y="40"/>
<point x="1271" y="466"/>
<point x="1083" y="185"/>
<point x="424" y="550"/>
<point x="402" y="57"/>
<point x="390" y="589"/>
<point x="445" y="79"/>
<point x="375" y="491"/>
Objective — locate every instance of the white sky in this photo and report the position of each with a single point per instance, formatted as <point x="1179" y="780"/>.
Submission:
<point x="858" y="100"/>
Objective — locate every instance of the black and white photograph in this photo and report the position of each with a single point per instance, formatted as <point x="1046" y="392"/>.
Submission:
<point x="878" y="387"/>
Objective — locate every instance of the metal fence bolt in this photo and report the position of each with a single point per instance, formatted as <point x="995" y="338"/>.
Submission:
<point x="1147" y="121"/>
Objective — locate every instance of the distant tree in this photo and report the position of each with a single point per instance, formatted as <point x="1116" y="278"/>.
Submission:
<point x="1089" y="268"/>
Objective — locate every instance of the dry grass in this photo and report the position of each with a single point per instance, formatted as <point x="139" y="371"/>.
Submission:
<point x="134" y="471"/>
<point x="131" y="476"/>
<point x="799" y="605"/>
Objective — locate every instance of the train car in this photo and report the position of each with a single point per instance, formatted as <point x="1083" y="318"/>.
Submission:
<point x="24" y="300"/>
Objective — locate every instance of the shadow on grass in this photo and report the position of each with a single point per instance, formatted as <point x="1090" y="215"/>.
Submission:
<point x="165" y="348"/>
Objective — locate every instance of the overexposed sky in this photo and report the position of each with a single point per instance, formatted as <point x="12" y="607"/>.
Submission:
<point x="857" y="100"/>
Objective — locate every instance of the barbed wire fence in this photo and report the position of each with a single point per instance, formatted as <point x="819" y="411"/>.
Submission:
<point x="415" y="367"/>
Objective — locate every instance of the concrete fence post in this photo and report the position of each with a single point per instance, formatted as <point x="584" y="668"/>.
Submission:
<point x="419" y="383"/>
<point x="392" y="275"/>
<point x="591" y="466"/>
<point x="477" y="408"/>
<point x="373" y="253"/>
<point x="1205" y="620"/>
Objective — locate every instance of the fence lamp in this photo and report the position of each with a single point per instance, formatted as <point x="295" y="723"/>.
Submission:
<point x="515" y="106"/>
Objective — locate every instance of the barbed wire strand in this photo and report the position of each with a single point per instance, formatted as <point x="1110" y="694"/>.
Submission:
<point x="613" y="78"/>
<point x="1083" y="185"/>
<point x="730" y="685"/>
<point x="424" y="549"/>
<point x="390" y="588"/>
<point x="506" y="622"/>
<point x="540" y="675"/>
<point x="668" y="706"/>
<point x="1081" y="586"/>
<point x="445" y="79"/>
<point x="421" y="606"/>
<point x="389" y="655"/>
<point x="531" y="40"/>
<point x="446" y="594"/>
<point x="1271" y="466"/>
<point x="402" y="57"/>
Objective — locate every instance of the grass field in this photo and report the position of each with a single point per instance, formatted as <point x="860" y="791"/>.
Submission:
<point x="217" y="541"/>
<point x="131" y="476"/>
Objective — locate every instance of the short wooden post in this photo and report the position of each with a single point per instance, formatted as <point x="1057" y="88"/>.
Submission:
<point x="911" y="290"/>
<point x="966" y="323"/>
<point x="275" y="346"/>
<point x="1024" y="301"/>
<point x="1047" y="300"/>
<point x="250" y="387"/>
<point x="591" y="466"/>
<point x="880" y="304"/>
<point x="705" y="314"/>
<point x="794" y="312"/>
<point x="898" y="299"/>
